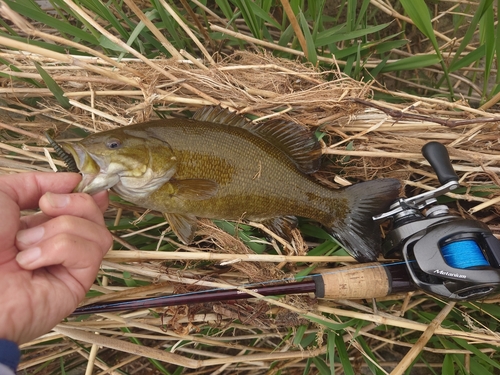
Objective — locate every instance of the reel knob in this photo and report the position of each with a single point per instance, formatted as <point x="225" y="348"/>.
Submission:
<point x="439" y="159"/>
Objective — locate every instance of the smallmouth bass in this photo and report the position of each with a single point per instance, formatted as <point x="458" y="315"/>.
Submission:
<point x="218" y="165"/>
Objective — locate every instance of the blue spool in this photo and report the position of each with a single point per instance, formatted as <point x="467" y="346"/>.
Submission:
<point x="463" y="254"/>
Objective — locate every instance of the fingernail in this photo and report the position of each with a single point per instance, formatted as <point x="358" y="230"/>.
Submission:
<point x="57" y="200"/>
<point x="28" y="256"/>
<point x="30" y="236"/>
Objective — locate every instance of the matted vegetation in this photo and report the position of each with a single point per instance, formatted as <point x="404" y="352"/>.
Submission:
<point x="122" y="63"/>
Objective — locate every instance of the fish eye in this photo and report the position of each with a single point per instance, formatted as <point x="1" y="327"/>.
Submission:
<point x="113" y="144"/>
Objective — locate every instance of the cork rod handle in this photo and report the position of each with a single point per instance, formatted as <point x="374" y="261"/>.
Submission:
<point x="367" y="280"/>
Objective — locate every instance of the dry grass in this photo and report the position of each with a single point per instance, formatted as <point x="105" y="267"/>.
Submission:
<point x="247" y="337"/>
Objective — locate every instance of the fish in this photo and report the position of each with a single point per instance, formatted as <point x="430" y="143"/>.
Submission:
<point x="220" y="165"/>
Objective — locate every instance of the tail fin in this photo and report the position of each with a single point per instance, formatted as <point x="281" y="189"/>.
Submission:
<point x="358" y="232"/>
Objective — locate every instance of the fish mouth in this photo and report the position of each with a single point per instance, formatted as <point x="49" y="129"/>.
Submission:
<point x="87" y="167"/>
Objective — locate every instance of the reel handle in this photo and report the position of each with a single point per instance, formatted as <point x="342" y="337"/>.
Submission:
<point x="437" y="155"/>
<point x="439" y="159"/>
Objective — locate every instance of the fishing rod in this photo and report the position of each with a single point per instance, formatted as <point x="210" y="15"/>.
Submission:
<point x="435" y="251"/>
<point x="368" y="280"/>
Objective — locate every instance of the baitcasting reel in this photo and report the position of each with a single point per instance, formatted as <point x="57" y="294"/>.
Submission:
<point x="445" y="254"/>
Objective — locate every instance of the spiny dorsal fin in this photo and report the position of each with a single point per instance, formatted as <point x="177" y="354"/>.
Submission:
<point x="291" y="138"/>
<point x="220" y="115"/>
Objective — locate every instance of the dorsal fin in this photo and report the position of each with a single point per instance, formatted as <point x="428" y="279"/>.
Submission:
<point x="291" y="138"/>
<point x="220" y="115"/>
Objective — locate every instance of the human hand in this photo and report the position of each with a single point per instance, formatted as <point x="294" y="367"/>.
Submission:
<point x="48" y="260"/>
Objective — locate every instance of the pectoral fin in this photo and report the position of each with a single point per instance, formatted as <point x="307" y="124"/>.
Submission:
<point x="183" y="226"/>
<point x="193" y="189"/>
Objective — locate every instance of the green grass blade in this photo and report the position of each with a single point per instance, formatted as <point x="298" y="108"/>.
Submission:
<point x="7" y="27"/>
<point x="170" y="25"/>
<point x="477" y="367"/>
<point x="448" y="368"/>
<point x="330" y="347"/>
<point x="249" y="16"/>
<point x="65" y="13"/>
<point x="316" y="12"/>
<point x="308" y="340"/>
<point x="469" y="59"/>
<point x="305" y="272"/>
<point x="343" y="355"/>
<point x="263" y="14"/>
<point x="368" y="354"/>
<point x="358" y="66"/>
<point x="386" y="45"/>
<point x="299" y="334"/>
<point x="14" y="78"/>
<point x="225" y="8"/>
<point x="326" y="247"/>
<point x="61" y="367"/>
<point x="307" y="368"/>
<point x="351" y="14"/>
<point x="107" y="15"/>
<point x="297" y="5"/>
<point x="361" y="14"/>
<point x="311" y="48"/>
<point x="137" y="32"/>
<point x="329" y="324"/>
<point x="321" y="366"/>
<point x="487" y="39"/>
<point x="477" y="353"/>
<point x="53" y="87"/>
<point x="365" y="48"/>
<point x="106" y="43"/>
<point x="484" y="5"/>
<point x="286" y="36"/>
<point x="42" y="17"/>
<point x="335" y="35"/>
<point x="497" y="46"/>
<point x="412" y="63"/>
<point x="418" y="11"/>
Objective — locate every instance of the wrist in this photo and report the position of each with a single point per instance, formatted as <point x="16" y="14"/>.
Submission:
<point x="9" y="354"/>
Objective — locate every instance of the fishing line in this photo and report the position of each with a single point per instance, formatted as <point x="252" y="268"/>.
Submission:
<point x="464" y="254"/>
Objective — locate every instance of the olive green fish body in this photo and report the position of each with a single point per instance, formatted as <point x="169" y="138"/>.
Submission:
<point x="246" y="169"/>
<point x="219" y="165"/>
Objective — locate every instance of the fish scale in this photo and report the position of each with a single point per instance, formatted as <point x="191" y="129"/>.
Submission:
<point x="247" y="169"/>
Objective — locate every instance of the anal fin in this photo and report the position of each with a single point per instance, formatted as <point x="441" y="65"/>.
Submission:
<point x="183" y="226"/>
<point x="282" y="225"/>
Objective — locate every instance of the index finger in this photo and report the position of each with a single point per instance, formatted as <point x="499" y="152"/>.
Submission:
<point x="26" y="188"/>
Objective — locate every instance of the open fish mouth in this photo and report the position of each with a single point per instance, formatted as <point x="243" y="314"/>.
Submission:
<point x="85" y="164"/>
